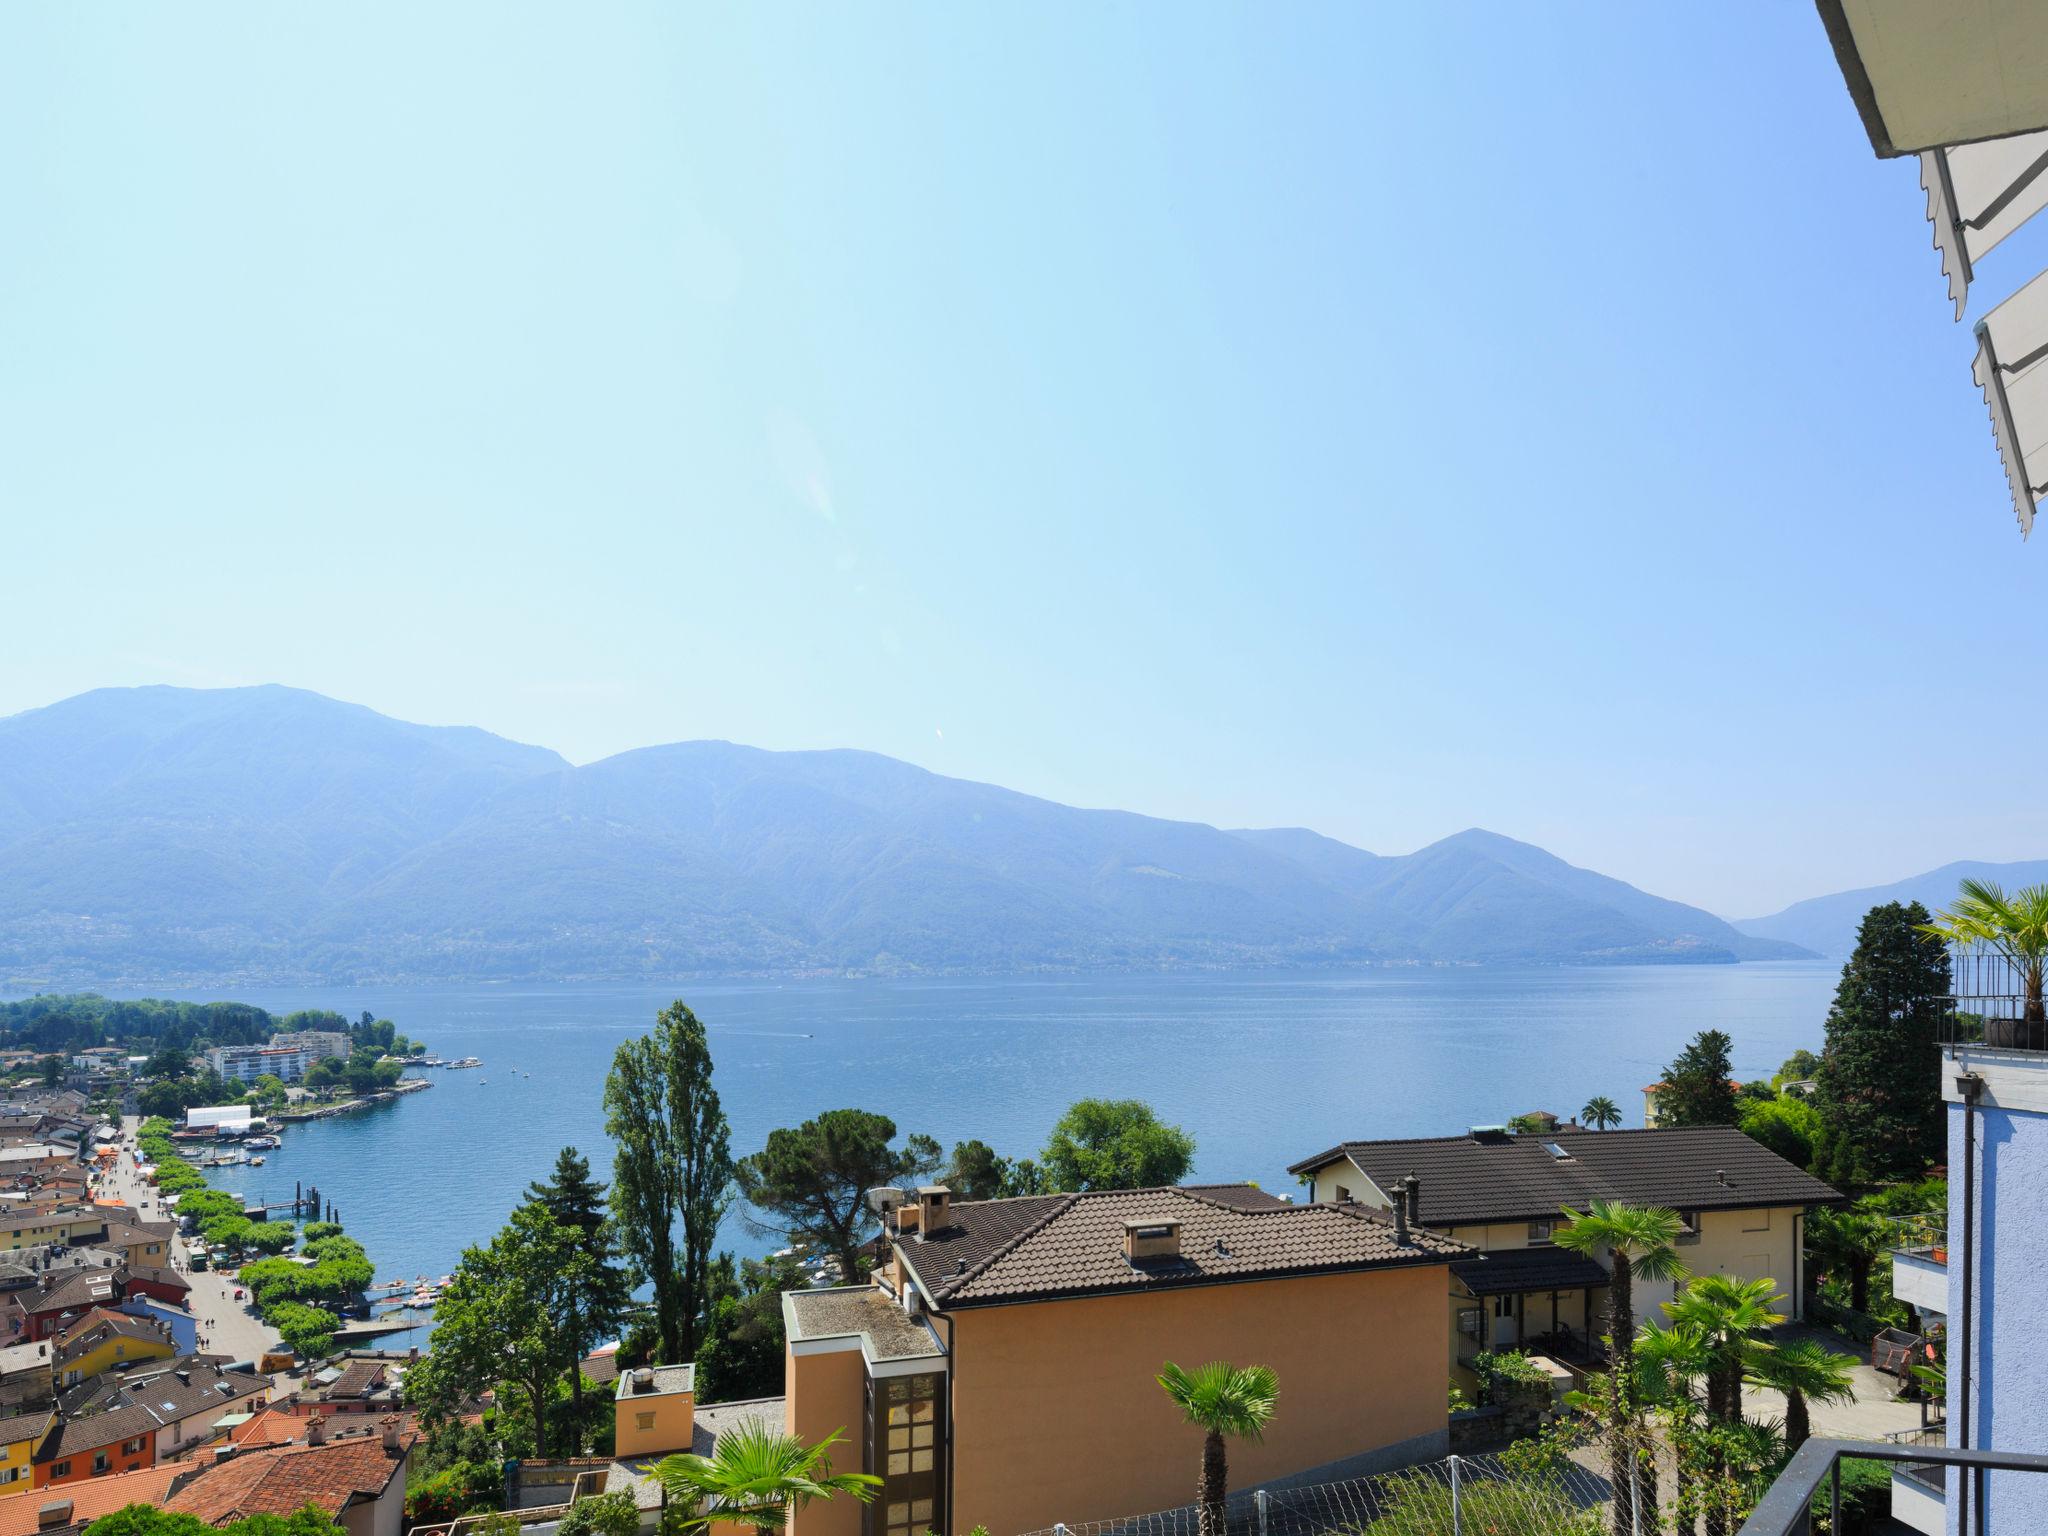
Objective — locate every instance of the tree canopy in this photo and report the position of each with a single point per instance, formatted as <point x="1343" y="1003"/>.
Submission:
<point x="1878" y="1087"/>
<point x="1697" y="1089"/>
<point x="1115" y="1144"/>
<point x="812" y="1181"/>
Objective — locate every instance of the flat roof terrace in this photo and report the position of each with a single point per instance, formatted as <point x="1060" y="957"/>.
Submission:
<point x="841" y="1317"/>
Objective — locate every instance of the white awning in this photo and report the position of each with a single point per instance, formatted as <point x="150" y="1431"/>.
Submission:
<point x="1925" y="73"/>
<point x="1977" y="194"/>
<point x="2012" y="370"/>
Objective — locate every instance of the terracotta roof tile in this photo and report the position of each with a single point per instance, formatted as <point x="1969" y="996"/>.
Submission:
<point x="1052" y="1246"/>
<point x="282" y="1480"/>
<point x="91" y="1498"/>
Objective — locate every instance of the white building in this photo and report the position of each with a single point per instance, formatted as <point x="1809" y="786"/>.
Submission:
<point x="246" y="1063"/>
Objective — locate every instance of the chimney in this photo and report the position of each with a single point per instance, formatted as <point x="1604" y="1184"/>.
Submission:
<point x="1158" y="1239"/>
<point x="1415" y="1198"/>
<point x="1401" y="1212"/>
<point x="643" y="1380"/>
<point x="54" y="1515"/>
<point x="223" y="1453"/>
<point x="934" y="1207"/>
<point x="316" y="1429"/>
<point x="390" y="1423"/>
<point x="184" y="1377"/>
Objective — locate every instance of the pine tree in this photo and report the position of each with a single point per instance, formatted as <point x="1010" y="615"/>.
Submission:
<point x="1878" y="1089"/>
<point x="598" y="1298"/>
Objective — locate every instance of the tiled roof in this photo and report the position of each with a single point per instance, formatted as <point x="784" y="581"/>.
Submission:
<point x="23" y="1426"/>
<point x="78" y="1288"/>
<point x="74" y="1437"/>
<point x="283" y="1480"/>
<point x="1054" y="1246"/>
<point x="89" y="1499"/>
<point x="87" y="1331"/>
<point x="357" y="1379"/>
<point x="168" y="1279"/>
<point x="1511" y="1271"/>
<point x="1467" y="1180"/>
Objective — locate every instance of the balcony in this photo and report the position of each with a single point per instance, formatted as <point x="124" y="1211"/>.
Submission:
<point x="1920" y="1488"/>
<point x="1814" y="1474"/>
<point x="1919" y="1249"/>
<point x="1987" y="1008"/>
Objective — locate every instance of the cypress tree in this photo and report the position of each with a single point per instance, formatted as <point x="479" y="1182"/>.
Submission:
<point x="1878" y="1090"/>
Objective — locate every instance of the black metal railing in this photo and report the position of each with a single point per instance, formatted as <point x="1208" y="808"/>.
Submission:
<point x="1988" y="1006"/>
<point x="1786" y="1507"/>
<point x="1927" y="1474"/>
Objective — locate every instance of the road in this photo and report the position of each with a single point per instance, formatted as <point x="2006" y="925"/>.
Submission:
<point x="226" y="1326"/>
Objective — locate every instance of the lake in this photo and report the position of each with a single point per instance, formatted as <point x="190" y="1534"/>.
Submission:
<point x="1262" y="1068"/>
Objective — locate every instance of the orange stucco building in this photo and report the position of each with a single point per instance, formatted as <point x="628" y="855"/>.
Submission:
<point x="1000" y="1369"/>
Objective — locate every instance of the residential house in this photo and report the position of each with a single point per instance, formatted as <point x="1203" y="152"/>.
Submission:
<point x="30" y="1162"/>
<point x="358" y="1482"/>
<point x="31" y="1224"/>
<point x="1653" y="1118"/>
<point x="146" y="1243"/>
<point x="20" y="1434"/>
<point x="78" y="1504"/>
<point x="102" y="1340"/>
<point x="63" y="1297"/>
<point x="96" y="1445"/>
<point x="187" y="1397"/>
<point x="25" y="1380"/>
<point x="1743" y="1210"/>
<point x="654" y="1410"/>
<point x="1000" y="1369"/>
<point x="354" y="1384"/>
<point x="165" y="1285"/>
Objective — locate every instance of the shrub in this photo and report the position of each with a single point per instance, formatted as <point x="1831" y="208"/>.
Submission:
<point x="1866" y="1499"/>
<point x="462" y="1488"/>
<point x="605" y="1514"/>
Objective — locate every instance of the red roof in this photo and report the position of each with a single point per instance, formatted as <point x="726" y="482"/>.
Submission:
<point x="285" y="1479"/>
<point x="91" y="1498"/>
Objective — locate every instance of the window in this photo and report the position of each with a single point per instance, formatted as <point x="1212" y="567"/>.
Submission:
<point x="130" y="1447"/>
<point x="100" y="1463"/>
<point x="1539" y="1233"/>
<point x="62" y="1469"/>
<point x="905" y="1448"/>
<point x="643" y="1421"/>
<point x="1343" y="1194"/>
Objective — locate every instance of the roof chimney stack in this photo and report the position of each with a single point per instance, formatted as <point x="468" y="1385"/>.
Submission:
<point x="934" y="1208"/>
<point x="54" y="1515"/>
<point x="390" y="1423"/>
<point x="1415" y="1198"/>
<point x="1159" y="1239"/>
<point x="316" y="1430"/>
<point x="643" y="1380"/>
<point x="1401" y="1212"/>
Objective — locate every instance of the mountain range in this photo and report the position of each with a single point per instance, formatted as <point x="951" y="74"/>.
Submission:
<point x="178" y="835"/>
<point x="1827" y="924"/>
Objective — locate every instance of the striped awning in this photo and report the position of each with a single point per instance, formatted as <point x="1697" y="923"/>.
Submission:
<point x="2012" y="347"/>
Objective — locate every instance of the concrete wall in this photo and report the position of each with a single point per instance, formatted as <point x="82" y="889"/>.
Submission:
<point x="825" y="1392"/>
<point x="2010" y="1369"/>
<point x="1057" y="1415"/>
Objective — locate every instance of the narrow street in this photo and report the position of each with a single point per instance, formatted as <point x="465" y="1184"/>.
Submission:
<point x="226" y="1326"/>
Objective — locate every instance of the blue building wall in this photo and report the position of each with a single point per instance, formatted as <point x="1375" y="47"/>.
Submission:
<point x="2010" y="1386"/>
<point x="184" y="1326"/>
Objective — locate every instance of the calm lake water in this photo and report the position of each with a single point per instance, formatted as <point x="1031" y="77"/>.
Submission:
<point x="1262" y="1068"/>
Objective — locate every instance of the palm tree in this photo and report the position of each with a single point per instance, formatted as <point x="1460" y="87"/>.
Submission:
<point x="1639" y="1242"/>
<point x="1601" y="1113"/>
<point x="1806" y="1371"/>
<point x="1220" y="1399"/>
<point x="1725" y="1315"/>
<point x="1669" y="1365"/>
<point x="2015" y="927"/>
<point x="1847" y="1242"/>
<point x="755" y="1476"/>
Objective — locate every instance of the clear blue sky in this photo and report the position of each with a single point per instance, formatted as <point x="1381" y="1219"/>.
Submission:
<point x="1385" y="420"/>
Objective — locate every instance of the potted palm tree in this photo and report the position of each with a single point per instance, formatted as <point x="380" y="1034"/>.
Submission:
<point x="2014" y="927"/>
<point x="755" y="1476"/>
<point x="1220" y="1399"/>
<point x="1638" y="1241"/>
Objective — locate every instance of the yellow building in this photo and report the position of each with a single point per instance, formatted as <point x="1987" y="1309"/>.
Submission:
<point x="27" y="1225"/>
<point x="1001" y="1368"/>
<point x="19" y="1437"/>
<point x="654" y="1411"/>
<point x="103" y="1339"/>
<point x="1742" y="1209"/>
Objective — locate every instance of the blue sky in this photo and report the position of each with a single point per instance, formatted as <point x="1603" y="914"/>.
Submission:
<point x="1370" y="418"/>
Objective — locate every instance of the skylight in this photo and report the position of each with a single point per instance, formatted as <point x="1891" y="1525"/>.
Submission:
<point x="1557" y="1151"/>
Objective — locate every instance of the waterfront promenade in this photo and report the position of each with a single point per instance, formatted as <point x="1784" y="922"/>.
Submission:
<point x="226" y="1326"/>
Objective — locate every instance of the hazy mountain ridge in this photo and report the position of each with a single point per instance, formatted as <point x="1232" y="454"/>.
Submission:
<point x="270" y="833"/>
<point x="1827" y="924"/>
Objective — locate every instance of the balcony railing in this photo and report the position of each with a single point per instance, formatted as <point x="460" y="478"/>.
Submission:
<point x="1921" y="1236"/>
<point x="1987" y="1006"/>
<point x="1817" y="1470"/>
<point x="1929" y="1475"/>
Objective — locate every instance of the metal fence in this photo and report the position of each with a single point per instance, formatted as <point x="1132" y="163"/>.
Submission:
<point x="1987" y="1005"/>
<point x="1454" y="1497"/>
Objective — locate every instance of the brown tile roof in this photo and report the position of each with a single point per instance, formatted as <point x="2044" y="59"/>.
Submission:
<point x="75" y="1288"/>
<point x="23" y="1426"/>
<point x="358" y="1378"/>
<point x="1047" y="1247"/>
<point x="95" y="1496"/>
<point x="282" y="1480"/>
<point x="74" y="1437"/>
<point x="1467" y="1180"/>
<point x="87" y="1331"/>
<point x="168" y="1279"/>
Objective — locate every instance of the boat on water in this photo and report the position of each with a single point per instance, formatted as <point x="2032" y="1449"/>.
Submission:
<point x="263" y="1143"/>
<point x="465" y="1061"/>
<point x="256" y="1162"/>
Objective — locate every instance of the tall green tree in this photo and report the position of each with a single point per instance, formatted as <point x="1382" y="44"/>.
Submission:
<point x="672" y="1170"/>
<point x="594" y="1306"/>
<point x="1220" y="1399"/>
<point x="1115" y="1144"/>
<point x="740" y="1355"/>
<point x="1601" y="1113"/>
<point x="1806" y="1371"/>
<point x="500" y="1326"/>
<point x="811" y="1182"/>
<point x="1878" y="1087"/>
<point x="1697" y="1089"/>
<point x="1637" y="1241"/>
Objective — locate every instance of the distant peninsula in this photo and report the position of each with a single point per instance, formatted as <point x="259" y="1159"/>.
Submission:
<point x="211" y="837"/>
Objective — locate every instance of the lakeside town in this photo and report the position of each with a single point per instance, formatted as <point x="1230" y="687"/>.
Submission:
<point x="1580" y="1325"/>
